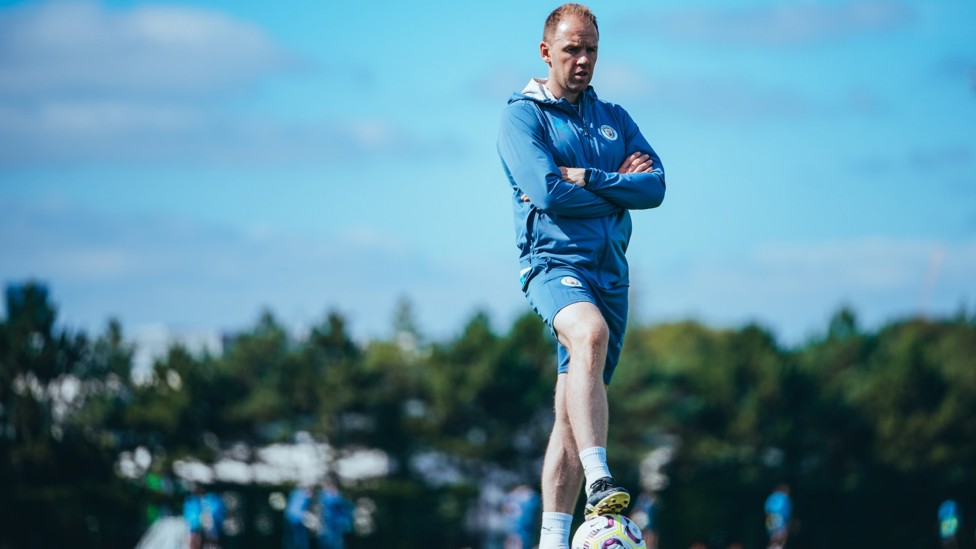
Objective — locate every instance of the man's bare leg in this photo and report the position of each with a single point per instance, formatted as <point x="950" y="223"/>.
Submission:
<point x="581" y="421"/>
<point x="582" y="329"/>
<point x="562" y="473"/>
<point x="562" y="476"/>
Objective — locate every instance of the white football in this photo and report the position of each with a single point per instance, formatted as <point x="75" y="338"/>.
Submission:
<point x="609" y="532"/>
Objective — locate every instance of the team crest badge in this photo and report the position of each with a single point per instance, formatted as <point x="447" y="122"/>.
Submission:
<point x="608" y="132"/>
<point x="570" y="281"/>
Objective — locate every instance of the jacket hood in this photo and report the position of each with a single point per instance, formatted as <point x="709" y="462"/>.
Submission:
<point x="536" y="90"/>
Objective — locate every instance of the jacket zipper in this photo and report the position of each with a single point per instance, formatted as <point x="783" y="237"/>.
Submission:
<point x="587" y="150"/>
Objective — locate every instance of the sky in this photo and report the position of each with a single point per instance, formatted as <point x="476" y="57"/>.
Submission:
<point x="184" y="166"/>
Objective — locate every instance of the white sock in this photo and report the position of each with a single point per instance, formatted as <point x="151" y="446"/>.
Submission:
<point x="555" y="530"/>
<point x="594" y="464"/>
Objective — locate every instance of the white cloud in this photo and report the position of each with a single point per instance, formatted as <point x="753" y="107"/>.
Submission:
<point x="85" y="48"/>
<point x="795" y="287"/>
<point x="71" y="132"/>
<point x="776" y="25"/>
<point x="82" y="84"/>
<point x="192" y="276"/>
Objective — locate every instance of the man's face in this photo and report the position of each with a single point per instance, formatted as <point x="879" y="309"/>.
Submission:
<point x="571" y="56"/>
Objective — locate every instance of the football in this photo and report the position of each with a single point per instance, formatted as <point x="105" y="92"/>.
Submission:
<point x="609" y="532"/>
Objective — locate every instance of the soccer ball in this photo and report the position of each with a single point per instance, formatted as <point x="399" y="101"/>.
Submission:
<point x="609" y="532"/>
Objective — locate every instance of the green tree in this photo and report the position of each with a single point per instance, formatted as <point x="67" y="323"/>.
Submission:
<point x="56" y="465"/>
<point x="491" y="397"/>
<point x="709" y="393"/>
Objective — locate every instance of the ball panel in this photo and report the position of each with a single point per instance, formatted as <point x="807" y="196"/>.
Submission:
<point x="608" y="532"/>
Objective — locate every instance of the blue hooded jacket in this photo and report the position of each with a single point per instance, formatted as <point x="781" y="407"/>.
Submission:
<point x="564" y="224"/>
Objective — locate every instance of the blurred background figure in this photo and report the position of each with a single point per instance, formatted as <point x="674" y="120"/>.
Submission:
<point x="204" y="515"/>
<point x="300" y="518"/>
<point x="778" y="510"/>
<point x="335" y="516"/>
<point x="521" y="508"/>
<point x="948" y="523"/>
<point x="165" y="533"/>
<point x="643" y="516"/>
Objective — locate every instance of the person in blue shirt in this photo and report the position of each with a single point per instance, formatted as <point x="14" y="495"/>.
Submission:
<point x="521" y="509"/>
<point x="644" y="515"/>
<point x="779" y="510"/>
<point x="948" y="523"/>
<point x="336" y="516"/>
<point x="204" y="515"/>
<point x="577" y="165"/>
<point x="300" y="518"/>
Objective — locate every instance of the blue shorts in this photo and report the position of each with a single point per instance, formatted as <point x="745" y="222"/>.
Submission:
<point x="551" y="289"/>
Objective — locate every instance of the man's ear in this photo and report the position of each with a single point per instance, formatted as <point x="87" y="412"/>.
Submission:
<point x="544" y="52"/>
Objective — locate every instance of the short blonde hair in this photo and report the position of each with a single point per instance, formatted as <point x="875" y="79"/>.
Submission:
<point x="564" y="11"/>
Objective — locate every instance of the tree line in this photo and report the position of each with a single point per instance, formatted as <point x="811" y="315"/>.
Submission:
<point x="871" y="429"/>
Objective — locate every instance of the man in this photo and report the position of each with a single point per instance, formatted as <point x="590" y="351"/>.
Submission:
<point x="576" y="165"/>
<point x="300" y="518"/>
<point x="948" y="523"/>
<point x="778" y="512"/>
<point x="204" y="515"/>
<point x="336" y="515"/>
<point x="644" y="515"/>
<point x="521" y="508"/>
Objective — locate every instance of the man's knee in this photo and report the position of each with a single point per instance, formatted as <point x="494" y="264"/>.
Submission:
<point x="581" y="325"/>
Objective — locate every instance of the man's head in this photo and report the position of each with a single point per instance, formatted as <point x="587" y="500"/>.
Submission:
<point x="569" y="46"/>
<point x="562" y="12"/>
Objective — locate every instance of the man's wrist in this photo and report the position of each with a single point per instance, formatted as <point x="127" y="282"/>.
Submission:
<point x="592" y="176"/>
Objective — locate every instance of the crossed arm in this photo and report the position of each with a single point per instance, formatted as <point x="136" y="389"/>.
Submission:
<point x="637" y="162"/>
<point x="527" y="157"/>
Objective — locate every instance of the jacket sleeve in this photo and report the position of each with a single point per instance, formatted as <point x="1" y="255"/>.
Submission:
<point x="634" y="191"/>
<point x="532" y="170"/>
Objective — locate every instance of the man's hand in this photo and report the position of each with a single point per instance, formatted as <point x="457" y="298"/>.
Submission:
<point x="636" y="163"/>
<point x="576" y="176"/>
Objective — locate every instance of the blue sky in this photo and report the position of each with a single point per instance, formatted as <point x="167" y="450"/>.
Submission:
<point x="189" y="164"/>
